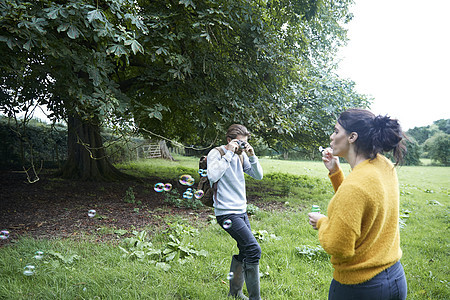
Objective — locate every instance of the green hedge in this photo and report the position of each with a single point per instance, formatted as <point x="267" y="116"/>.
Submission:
<point x="42" y="142"/>
<point x="37" y="142"/>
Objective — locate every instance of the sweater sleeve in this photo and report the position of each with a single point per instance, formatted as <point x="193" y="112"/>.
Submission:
<point x="336" y="179"/>
<point x="252" y="167"/>
<point x="217" y="164"/>
<point x="339" y="232"/>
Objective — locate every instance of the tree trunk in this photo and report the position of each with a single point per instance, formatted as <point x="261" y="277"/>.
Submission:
<point x="165" y="153"/>
<point x="87" y="159"/>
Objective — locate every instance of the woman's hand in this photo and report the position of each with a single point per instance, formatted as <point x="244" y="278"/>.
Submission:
<point x="314" y="218"/>
<point x="331" y="162"/>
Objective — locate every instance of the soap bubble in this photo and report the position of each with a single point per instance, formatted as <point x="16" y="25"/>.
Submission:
<point x="184" y="179"/>
<point x="200" y="171"/>
<point x="190" y="181"/>
<point x="198" y="194"/>
<point x="159" y="187"/>
<point x="4" y="234"/>
<point x="227" y="224"/>
<point x="204" y="173"/>
<point x="38" y="255"/>
<point x="230" y="276"/>
<point x="29" y="270"/>
<point x="321" y="149"/>
<point x="189" y="190"/>
<point x="167" y="187"/>
<point x="187" y="195"/>
<point x="91" y="213"/>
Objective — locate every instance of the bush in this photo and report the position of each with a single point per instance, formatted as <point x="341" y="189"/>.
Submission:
<point x="412" y="157"/>
<point x="38" y="141"/>
<point x="35" y="142"/>
<point x="438" y="148"/>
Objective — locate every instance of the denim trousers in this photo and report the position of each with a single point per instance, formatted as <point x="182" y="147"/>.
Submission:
<point x="240" y="231"/>
<point x="390" y="284"/>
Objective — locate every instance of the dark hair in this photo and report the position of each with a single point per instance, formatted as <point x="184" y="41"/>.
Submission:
<point x="376" y="134"/>
<point x="237" y="129"/>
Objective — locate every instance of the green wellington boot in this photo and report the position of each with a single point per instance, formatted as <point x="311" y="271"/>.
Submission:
<point x="237" y="281"/>
<point x="251" y="272"/>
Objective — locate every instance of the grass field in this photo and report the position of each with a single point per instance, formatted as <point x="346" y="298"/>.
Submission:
<point x="292" y="265"/>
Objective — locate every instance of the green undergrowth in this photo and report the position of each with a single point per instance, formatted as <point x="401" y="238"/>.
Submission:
<point x="295" y="189"/>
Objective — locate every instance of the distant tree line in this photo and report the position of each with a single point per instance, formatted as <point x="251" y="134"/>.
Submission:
<point x="432" y="141"/>
<point x="37" y="142"/>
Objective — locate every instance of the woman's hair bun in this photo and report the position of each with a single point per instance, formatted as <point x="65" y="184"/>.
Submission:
<point x="376" y="134"/>
<point x="381" y="122"/>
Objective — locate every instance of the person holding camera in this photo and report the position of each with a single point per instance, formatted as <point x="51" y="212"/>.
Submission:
<point x="361" y="231"/>
<point x="226" y="168"/>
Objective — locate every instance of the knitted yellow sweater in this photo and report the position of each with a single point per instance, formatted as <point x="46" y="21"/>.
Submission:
<point x="361" y="232"/>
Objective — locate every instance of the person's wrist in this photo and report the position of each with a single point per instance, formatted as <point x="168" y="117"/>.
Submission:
<point x="333" y="171"/>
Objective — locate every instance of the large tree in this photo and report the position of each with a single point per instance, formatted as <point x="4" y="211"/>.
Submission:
<point x="180" y="69"/>
<point x="265" y="64"/>
<point x="65" y="48"/>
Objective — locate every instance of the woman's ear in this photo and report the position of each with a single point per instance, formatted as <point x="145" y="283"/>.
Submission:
<point x="228" y="140"/>
<point x="352" y="137"/>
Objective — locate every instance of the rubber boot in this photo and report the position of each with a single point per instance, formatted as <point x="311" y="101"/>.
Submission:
<point x="252" y="280"/>
<point x="237" y="282"/>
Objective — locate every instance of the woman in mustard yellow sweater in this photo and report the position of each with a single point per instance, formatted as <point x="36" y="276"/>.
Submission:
<point x="361" y="231"/>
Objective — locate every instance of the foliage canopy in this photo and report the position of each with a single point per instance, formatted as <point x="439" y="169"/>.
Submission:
<point x="183" y="70"/>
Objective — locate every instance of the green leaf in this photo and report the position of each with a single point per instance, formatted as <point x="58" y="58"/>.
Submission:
<point x="124" y="250"/>
<point x="63" y="27"/>
<point x="94" y="75"/>
<point x="171" y="256"/>
<point x="162" y="50"/>
<point x="11" y="43"/>
<point x="187" y="3"/>
<point x="117" y="50"/>
<point x="27" y="46"/>
<point x="206" y="35"/>
<point x="95" y="15"/>
<point x="139" y="254"/>
<point x="52" y="13"/>
<point x="136" y="47"/>
<point x="73" y="32"/>
<point x="120" y="231"/>
<point x="163" y="266"/>
<point x="38" y="24"/>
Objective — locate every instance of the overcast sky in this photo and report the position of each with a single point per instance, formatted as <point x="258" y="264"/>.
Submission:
<point x="399" y="53"/>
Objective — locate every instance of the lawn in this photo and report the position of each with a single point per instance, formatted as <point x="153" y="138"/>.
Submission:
<point x="190" y="260"/>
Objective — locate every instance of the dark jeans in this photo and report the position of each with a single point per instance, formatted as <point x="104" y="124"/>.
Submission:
<point x="249" y="249"/>
<point x="388" y="285"/>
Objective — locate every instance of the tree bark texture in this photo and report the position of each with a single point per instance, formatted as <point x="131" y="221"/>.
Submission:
<point x="87" y="158"/>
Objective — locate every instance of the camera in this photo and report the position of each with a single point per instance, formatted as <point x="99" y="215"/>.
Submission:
<point x="241" y="144"/>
